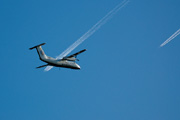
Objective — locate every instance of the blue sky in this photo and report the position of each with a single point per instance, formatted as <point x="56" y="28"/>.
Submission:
<point x="124" y="74"/>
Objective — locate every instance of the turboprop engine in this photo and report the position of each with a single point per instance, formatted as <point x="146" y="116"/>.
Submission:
<point x="70" y="59"/>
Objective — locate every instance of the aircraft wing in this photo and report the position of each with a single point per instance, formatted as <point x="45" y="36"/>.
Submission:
<point x="42" y="66"/>
<point x="75" y="54"/>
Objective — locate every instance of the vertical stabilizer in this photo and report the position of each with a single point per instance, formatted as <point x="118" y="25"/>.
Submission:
<point x="40" y="51"/>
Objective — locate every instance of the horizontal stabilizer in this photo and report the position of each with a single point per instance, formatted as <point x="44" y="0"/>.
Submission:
<point x="37" y="46"/>
<point x="42" y="66"/>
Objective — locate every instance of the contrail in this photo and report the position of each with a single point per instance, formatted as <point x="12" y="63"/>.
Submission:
<point x="171" y="38"/>
<point x="91" y="31"/>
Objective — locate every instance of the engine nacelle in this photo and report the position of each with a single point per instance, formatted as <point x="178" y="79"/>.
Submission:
<point x="71" y="59"/>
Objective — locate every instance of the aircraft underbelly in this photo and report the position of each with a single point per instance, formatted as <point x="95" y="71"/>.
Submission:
<point x="65" y="64"/>
<point x="69" y="65"/>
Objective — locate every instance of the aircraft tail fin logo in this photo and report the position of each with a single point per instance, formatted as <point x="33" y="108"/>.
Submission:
<point x="39" y="50"/>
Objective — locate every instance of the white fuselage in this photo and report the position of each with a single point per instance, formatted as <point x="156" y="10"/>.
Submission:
<point x="55" y="62"/>
<point x="61" y="63"/>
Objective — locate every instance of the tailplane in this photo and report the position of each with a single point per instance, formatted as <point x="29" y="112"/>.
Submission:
<point x="37" y="46"/>
<point x="40" y="51"/>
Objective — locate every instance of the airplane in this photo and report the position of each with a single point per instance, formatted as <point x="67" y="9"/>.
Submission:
<point x="65" y="62"/>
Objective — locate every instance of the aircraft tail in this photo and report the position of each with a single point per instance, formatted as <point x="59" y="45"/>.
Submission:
<point x="37" y="46"/>
<point x="40" y="51"/>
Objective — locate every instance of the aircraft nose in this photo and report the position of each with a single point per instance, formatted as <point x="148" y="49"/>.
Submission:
<point x="78" y="67"/>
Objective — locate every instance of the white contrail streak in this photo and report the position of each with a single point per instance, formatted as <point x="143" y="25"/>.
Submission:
<point x="171" y="38"/>
<point x="91" y="31"/>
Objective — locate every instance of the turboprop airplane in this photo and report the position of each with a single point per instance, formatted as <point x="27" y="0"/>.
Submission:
<point x="66" y="62"/>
